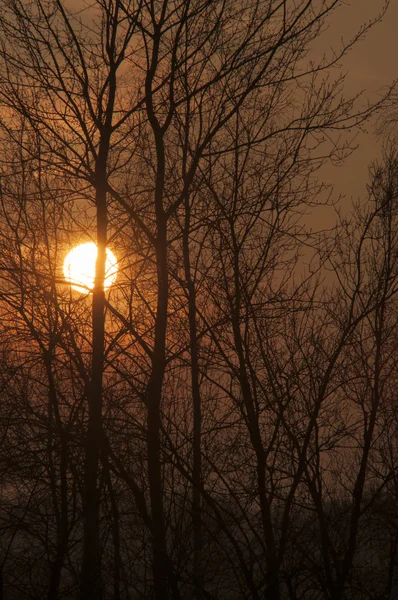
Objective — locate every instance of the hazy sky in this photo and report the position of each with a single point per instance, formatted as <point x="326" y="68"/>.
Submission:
<point x="371" y="64"/>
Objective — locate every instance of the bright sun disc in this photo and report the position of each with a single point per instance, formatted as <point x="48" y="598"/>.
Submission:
<point x="79" y="268"/>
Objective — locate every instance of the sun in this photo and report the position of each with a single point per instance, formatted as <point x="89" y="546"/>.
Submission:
<point x="79" y="267"/>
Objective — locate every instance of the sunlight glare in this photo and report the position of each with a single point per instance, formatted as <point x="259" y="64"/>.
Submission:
<point x="79" y="267"/>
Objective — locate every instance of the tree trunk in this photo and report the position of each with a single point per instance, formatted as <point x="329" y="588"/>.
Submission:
<point x="394" y="574"/>
<point x="271" y="559"/>
<point x="154" y="393"/>
<point x="91" y="585"/>
<point x="56" y="571"/>
<point x="197" y="418"/>
<point x="117" y="558"/>
<point x="61" y="511"/>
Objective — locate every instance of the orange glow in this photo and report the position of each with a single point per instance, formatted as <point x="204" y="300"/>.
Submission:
<point x="79" y="268"/>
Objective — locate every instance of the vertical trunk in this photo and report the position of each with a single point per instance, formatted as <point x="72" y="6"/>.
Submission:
<point x="272" y="579"/>
<point x="91" y="584"/>
<point x="115" y="528"/>
<point x="62" y="510"/>
<point x="359" y="486"/>
<point x="272" y="590"/>
<point x="197" y="417"/>
<point x="154" y="393"/>
<point x="56" y="571"/>
<point x="394" y="574"/>
<point x="197" y="459"/>
<point x="161" y="576"/>
<point x="58" y="563"/>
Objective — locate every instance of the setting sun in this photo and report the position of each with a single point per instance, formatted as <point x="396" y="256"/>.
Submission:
<point x="79" y="267"/>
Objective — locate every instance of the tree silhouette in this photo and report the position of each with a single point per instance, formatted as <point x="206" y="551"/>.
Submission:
<point x="187" y="135"/>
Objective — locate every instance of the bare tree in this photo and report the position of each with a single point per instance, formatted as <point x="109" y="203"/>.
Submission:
<point x="142" y="108"/>
<point x="351" y="363"/>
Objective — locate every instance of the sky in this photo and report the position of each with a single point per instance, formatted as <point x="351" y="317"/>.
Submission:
<point x="370" y="65"/>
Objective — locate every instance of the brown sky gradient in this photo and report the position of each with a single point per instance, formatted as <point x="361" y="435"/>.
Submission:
<point x="370" y="65"/>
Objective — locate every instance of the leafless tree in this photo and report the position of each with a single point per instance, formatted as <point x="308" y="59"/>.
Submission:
<point x="151" y="111"/>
